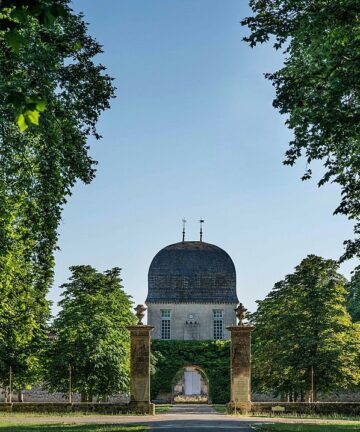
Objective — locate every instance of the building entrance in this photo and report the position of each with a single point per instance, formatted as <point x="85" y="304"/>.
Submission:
<point x="191" y="385"/>
<point x="192" y="382"/>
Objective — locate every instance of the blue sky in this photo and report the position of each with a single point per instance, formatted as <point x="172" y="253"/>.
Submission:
<point x="192" y="133"/>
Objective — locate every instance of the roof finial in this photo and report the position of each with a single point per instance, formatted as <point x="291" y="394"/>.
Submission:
<point x="201" y="230"/>
<point x="183" y="232"/>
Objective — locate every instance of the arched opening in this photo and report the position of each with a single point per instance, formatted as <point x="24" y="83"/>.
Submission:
<point x="190" y="384"/>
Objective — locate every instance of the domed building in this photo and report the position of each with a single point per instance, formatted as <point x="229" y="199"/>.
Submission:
<point x="191" y="292"/>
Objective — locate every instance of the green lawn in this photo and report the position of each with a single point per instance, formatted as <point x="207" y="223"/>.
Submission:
<point x="50" y="414"/>
<point x="306" y="428"/>
<point x="43" y="427"/>
<point x="219" y="408"/>
<point x="305" y="416"/>
<point x="162" y="408"/>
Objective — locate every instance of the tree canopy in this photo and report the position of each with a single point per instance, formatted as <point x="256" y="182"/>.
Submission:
<point x="52" y="63"/>
<point x="353" y="298"/>
<point x="318" y="88"/>
<point x="302" y="330"/>
<point x="13" y="17"/>
<point x="90" y="336"/>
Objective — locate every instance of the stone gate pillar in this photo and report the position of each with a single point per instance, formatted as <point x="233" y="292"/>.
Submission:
<point x="140" y="365"/>
<point x="240" y="366"/>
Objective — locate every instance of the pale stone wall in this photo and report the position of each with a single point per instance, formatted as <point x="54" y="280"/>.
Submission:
<point x="185" y="327"/>
<point x="39" y="394"/>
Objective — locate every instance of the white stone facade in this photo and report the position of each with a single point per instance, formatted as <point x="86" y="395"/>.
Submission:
<point x="191" y="321"/>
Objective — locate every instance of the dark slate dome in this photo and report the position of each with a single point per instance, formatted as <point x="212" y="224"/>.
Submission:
<point x="192" y="272"/>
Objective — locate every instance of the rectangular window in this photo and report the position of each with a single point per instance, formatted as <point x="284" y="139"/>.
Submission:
<point x="218" y="323"/>
<point x="165" y="313"/>
<point x="165" y="324"/>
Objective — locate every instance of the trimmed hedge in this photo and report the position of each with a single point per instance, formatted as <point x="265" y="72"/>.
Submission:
<point x="212" y="357"/>
<point x="64" y="407"/>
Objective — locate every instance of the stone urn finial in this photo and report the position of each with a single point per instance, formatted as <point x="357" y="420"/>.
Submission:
<point x="240" y="313"/>
<point x="140" y="313"/>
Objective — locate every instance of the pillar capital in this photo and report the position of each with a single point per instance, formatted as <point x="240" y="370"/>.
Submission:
<point x="140" y="330"/>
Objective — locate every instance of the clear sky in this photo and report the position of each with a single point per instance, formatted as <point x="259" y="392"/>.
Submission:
<point x="192" y="133"/>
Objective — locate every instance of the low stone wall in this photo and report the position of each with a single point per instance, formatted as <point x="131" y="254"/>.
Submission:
<point x="63" y="407"/>
<point x="39" y="394"/>
<point x="341" y="396"/>
<point x="344" y="408"/>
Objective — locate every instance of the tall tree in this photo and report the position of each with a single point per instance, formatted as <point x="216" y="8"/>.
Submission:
<point x="90" y="335"/>
<point x="304" y="333"/>
<point x="13" y="15"/>
<point x="353" y="298"/>
<point x="47" y="66"/>
<point x="21" y="360"/>
<point x="318" y="89"/>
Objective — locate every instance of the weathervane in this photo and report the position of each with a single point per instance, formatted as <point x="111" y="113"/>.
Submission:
<point x="201" y="230"/>
<point x="183" y="232"/>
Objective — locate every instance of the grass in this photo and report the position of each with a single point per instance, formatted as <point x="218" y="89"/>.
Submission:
<point x="281" y="427"/>
<point x="219" y="408"/>
<point x="48" y="414"/>
<point x="163" y="408"/>
<point x="305" y="416"/>
<point x="33" y="427"/>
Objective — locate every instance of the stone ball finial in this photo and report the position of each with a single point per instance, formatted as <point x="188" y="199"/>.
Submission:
<point x="240" y="313"/>
<point x="140" y="313"/>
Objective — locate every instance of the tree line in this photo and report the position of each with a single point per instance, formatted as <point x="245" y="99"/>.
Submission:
<point x="307" y="333"/>
<point x="306" y="339"/>
<point x="88" y="338"/>
<point x="52" y="92"/>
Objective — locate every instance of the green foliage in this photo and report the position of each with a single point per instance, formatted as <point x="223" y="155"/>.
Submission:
<point x="71" y="427"/>
<point x="14" y="17"/>
<point x="222" y="409"/>
<point x="303" y="325"/>
<point x="278" y="427"/>
<point x="23" y="358"/>
<point x="212" y="357"/>
<point x="353" y="298"/>
<point x="162" y="409"/>
<point x="90" y="335"/>
<point x="318" y="88"/>
<point x="24" y="309"/>
<point x="53" y="67"/>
